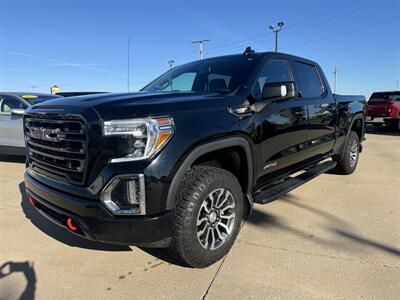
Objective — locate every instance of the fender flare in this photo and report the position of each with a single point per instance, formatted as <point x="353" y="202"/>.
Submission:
<point x="204" y="149"/>
<point x="357" y="116"/>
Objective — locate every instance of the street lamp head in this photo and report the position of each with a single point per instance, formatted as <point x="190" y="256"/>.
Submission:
<point x="280" y="24"/>
<point x="271" y="27"/>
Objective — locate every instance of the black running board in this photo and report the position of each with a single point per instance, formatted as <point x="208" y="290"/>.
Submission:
<point x="280" y="189"/>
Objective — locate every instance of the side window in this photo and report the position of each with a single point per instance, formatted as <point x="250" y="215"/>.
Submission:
<point x="181" y="83"/>
<point x="275" y="71"/>
<point x="310" y="83"/>
<point x="218" y="82"/>
<point x="7" y="104"/>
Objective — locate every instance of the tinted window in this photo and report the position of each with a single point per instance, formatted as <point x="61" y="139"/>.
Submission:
<point x="309" y="82"/>
<point x="392" y="96"/>
<point x="8" y="103"/>
<point x="182" y="83"/>
<point x="276" y="70"/>
<point x="222" y="75"/>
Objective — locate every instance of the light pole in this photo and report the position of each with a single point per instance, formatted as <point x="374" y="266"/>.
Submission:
<point x="201" y="42"/>
<point x="171" y="63"/>
<point x="280" y="25"/>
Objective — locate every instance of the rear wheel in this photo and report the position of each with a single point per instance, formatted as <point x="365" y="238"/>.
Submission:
<point x="347" y="162"/>
<point x="209" y="212"/>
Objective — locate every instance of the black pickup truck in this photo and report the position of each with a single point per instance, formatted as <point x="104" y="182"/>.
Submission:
<point x="179" y="164"/>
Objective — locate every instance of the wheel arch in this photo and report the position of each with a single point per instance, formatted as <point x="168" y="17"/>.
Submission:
<point x="210" y="147"/>
<point x="357" y="124"/>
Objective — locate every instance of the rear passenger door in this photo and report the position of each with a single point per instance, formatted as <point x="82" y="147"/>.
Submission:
<point x="321" y="108"/>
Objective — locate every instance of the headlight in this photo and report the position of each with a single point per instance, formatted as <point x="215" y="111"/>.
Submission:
<point x="147" y="136"/>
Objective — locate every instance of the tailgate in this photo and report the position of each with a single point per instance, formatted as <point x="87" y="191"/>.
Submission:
<point x="378" y="108"/>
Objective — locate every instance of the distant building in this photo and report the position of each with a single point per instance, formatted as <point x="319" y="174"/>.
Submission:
<point x="55" y="89"/>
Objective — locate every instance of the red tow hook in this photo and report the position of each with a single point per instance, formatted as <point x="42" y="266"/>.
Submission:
<point x="32" y="201"/>
<point x="71" y="225"/>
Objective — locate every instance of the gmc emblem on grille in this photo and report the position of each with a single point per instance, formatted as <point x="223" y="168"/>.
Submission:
<point x="45" y="134"/>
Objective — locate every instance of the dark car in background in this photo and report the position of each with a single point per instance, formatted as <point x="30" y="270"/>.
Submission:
<point x="12" y="108"/>
<point x="384" y="108"/>
<point x="73" y="94"/>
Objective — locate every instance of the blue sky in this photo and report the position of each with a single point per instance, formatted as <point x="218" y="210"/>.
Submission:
<point x="82" y="45"/>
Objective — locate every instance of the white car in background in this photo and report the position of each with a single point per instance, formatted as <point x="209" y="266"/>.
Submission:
<point x="12" y="107"/>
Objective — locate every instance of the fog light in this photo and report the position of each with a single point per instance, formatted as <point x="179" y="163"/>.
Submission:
<point x="124" y="195"/>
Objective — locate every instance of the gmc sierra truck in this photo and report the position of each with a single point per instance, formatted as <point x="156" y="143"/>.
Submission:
<point x="180" y="163"/>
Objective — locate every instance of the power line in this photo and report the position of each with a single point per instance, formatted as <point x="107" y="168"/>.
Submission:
<point x="323" y="19"/>
<point x="341" y="33"/>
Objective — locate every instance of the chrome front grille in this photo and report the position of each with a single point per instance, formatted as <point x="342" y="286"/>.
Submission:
<point x="57" y="145"/>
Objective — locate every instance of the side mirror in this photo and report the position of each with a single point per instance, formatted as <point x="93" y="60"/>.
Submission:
<point x="279" y="91"/>
<point x="17" y="111"/>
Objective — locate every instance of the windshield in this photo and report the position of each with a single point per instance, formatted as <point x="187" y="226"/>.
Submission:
<point x="391" y="96"/>
<point x="222" y="75"/>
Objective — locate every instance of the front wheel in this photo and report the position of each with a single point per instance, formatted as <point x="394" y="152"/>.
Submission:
<point x="209" y="212"/>
<point x="347" y="162"/>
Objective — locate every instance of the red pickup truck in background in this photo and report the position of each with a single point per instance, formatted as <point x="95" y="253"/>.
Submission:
<point x="384" y="108"/>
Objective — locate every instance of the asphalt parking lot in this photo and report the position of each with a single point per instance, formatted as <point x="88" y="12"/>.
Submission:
<point x="335" y="237"/>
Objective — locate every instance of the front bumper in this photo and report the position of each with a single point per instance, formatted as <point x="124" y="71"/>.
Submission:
<point x="95" y="222"/>
<point x="380" y="120"/>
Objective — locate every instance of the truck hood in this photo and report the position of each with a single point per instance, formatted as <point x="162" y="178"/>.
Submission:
<point x="125" y="105"/>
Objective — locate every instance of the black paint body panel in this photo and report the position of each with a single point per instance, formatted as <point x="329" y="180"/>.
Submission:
<point x="284" y="134"/>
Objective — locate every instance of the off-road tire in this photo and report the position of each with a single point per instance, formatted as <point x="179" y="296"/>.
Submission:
<point x="194" y="189"/>
<point x="345" y="162"/>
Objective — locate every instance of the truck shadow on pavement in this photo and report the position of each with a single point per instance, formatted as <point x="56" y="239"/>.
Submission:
<point x="60" y="234"/>
<point x="382" y="130"/>
<point x="12" y="158"/>
<point x="340" y="228"/>
<point x="9" y="268"/>
<point x="162" y="254"/>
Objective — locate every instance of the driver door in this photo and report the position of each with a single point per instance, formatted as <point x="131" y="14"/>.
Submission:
<point x="281" y="127"/>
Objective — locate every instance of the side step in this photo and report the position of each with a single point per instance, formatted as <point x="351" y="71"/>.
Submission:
<point x="280" y="189"/>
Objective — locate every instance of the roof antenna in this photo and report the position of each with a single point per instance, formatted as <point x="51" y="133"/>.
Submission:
<point x="248" y="51"/>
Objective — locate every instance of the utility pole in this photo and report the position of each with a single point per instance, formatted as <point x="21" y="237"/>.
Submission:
<point x="201" y="42"/>
<point x="129" y="54"/>
<point x="335" y="71"/>
<point x="280" y="25"/>
<point x="397" y="85"/>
